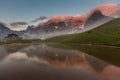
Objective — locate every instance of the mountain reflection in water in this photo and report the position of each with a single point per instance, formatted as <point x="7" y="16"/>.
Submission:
<point x="42" y="62"/>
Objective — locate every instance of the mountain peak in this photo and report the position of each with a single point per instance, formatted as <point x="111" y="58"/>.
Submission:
<point x="94" y="17"/>
<point x="3" y="27"/>
<point x="97" y="14"/>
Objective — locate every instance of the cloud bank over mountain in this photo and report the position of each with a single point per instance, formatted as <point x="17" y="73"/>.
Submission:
<point x="66" y="24"/>
<point x="110" y="10"/>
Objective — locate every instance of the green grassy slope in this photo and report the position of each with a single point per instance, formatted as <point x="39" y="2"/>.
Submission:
<point x="106" y="34"/>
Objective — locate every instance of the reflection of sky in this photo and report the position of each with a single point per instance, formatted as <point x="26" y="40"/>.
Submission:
<point x="61" y="61"/>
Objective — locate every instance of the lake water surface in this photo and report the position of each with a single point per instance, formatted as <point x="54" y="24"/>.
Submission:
<point x="45" y="62"/>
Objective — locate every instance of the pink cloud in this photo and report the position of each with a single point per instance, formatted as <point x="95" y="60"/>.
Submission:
<point x="60" y="17"/>
<point x="108" y="9"/>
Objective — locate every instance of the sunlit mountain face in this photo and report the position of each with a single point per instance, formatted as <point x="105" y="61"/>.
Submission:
<point x="68" y="20"/>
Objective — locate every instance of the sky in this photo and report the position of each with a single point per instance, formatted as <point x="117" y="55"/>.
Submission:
<point x="28" y="12"/>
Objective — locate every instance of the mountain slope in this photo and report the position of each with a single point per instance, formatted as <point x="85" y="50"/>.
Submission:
<point x="4" y="31"/>
<point x="96" y="17"/>
<point x="108" y="34"/>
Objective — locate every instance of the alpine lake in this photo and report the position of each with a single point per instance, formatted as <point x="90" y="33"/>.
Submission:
<point x="59" y="62"/>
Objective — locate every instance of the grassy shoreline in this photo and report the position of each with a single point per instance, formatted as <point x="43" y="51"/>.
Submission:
<point x="95" y="45"/>
<point x="47" y="42"/>
<point x="20" y="41"/>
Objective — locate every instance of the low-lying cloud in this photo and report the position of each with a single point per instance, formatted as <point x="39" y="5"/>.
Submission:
<point x="18" y="23"/>
<point x="40" y="19"/>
